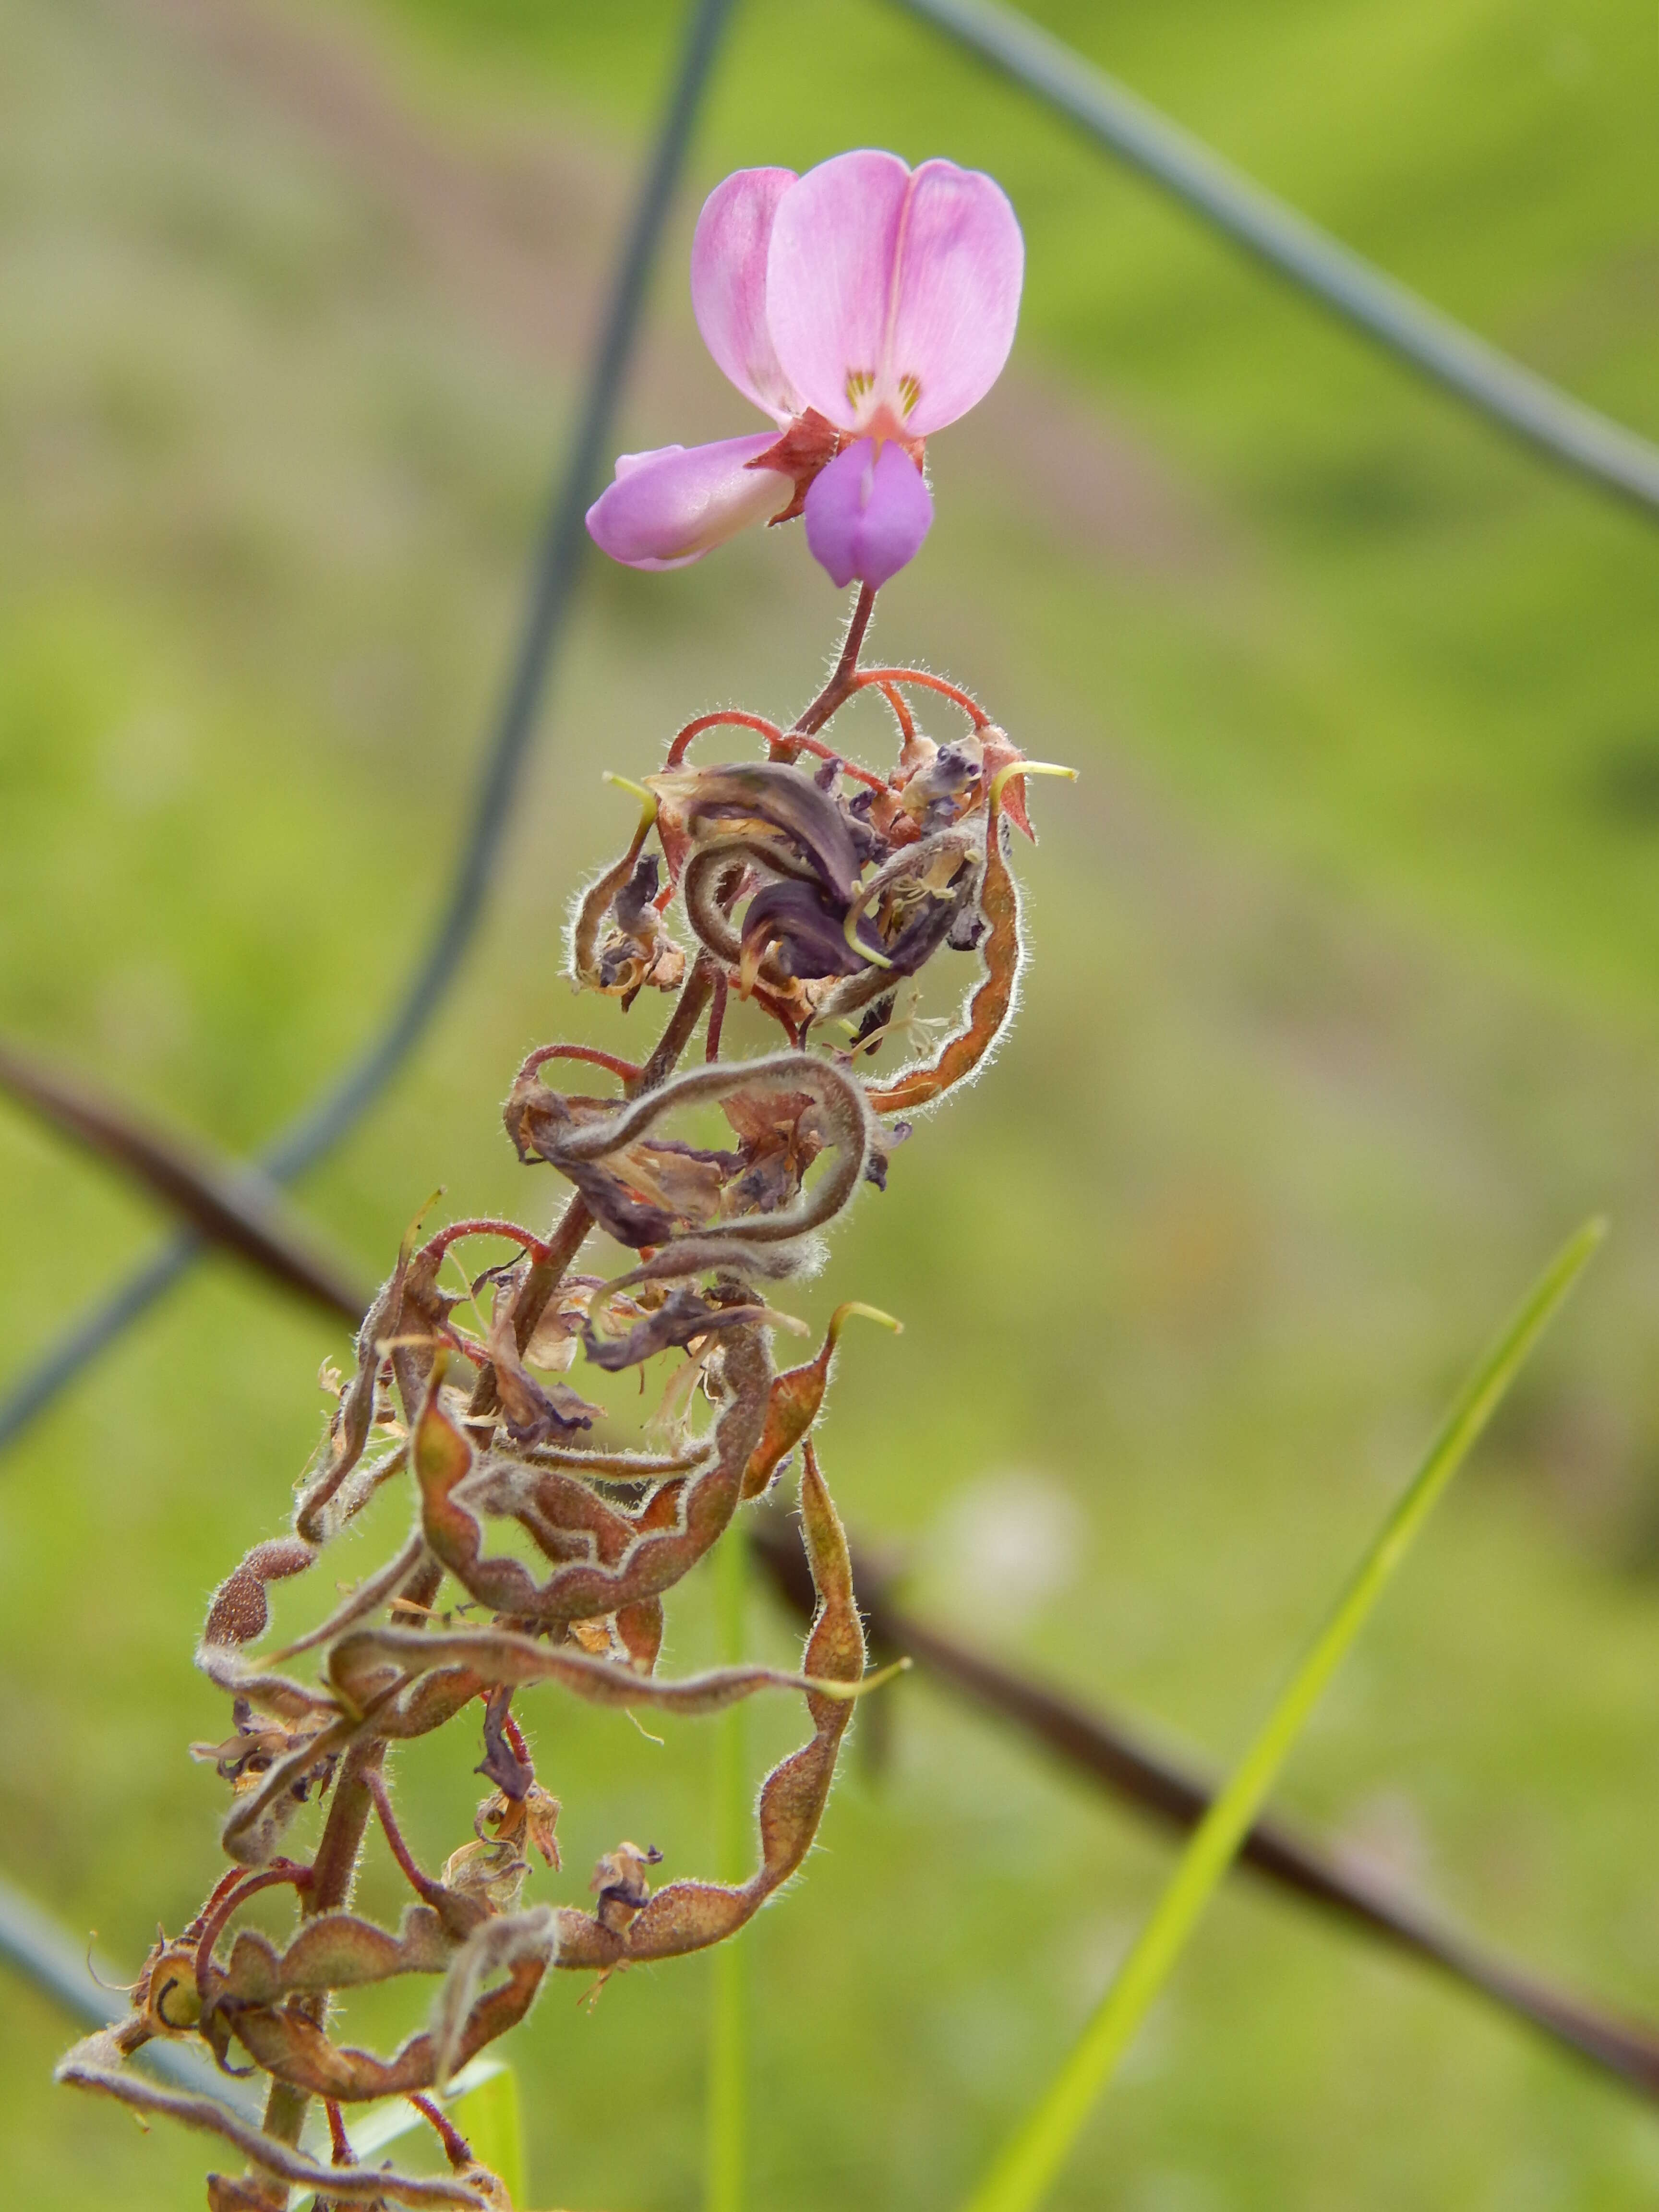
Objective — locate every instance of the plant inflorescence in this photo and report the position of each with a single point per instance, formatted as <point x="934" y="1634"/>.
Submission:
<point x="543" y="1541"/>
<point x="817" y="890"/>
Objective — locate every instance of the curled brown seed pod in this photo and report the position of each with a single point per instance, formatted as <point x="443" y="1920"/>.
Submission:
<point x="655" y="1560"/>
<point x="841" y="1102"/>
<point x="690" y="1916"/>
<point x="796" y="1397"/>
<point x="960" y="1058"/>
<point x="337" y="1952"/>
<point x="498" y="1655"/>
<point x="612" y="1466"/>
<point x="291" y="2048"/>
<point x="96" y="2063"/>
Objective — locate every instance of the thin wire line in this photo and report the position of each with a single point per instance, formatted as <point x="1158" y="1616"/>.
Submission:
<point x="553" y="575"/>
<point x="1578" y="437"/>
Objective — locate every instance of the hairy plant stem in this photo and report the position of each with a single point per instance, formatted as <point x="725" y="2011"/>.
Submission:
<point x="841" y="684"/>
<point x="429" y="1892"/>
<point x="333" y="1872"/>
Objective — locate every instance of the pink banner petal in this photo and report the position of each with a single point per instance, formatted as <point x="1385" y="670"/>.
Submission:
<point x="962" y="261"/>
<point x="892" y="297"/>
<point x="867" y="513"/>
<point x="728" y="285"/>
<point x="828" y="279"/>
<point x="671" y="506"/>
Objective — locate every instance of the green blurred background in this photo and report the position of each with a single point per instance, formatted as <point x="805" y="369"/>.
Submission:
<point x="1345" y="1009"/>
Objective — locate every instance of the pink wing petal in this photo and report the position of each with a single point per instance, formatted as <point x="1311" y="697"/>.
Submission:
<point x="673" y="506"/>
<point x="829" y="279"/>
<point x="728" y="285"/>
<point x="867" y="513"/>
<point x="962" y="261"/>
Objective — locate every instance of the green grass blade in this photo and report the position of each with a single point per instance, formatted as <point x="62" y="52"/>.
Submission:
<point x="1022" y="2175"/>
<point x="726" y="2145"/>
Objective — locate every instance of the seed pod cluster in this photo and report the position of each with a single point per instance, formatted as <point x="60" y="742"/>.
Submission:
<point x="817" y="888"/>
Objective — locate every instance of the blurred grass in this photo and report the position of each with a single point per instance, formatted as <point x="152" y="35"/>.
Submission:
<point x="1342" y="1010"/>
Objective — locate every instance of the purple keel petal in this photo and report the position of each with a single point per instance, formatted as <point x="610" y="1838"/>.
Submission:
<point x="728" y="285"/>
<point x="867" y="513"/>
<point x="829" y="279"/>
<point x="673" y="506"/>
<point x="957" y="299"/>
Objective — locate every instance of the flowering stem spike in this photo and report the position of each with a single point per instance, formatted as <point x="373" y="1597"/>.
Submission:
<point x="540" y="1554"/>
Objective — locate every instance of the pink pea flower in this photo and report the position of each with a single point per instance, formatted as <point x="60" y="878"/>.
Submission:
<point x="862" y="306"/>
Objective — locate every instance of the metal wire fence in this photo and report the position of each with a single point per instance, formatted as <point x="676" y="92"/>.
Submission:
<point x="1498" y="389"/>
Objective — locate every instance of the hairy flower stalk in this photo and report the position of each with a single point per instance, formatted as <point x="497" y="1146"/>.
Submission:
<point x="817" y="890"/>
